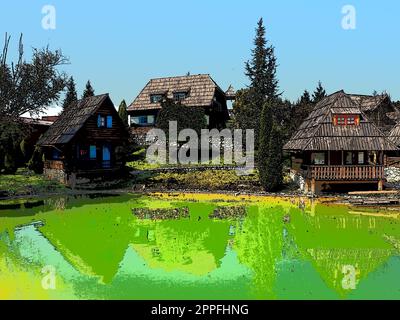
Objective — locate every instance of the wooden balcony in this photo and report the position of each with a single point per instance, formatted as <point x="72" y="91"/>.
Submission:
<point x="349" y="173"/>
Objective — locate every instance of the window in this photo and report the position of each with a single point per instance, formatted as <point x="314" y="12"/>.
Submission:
<point x="143" y="120"/>
<point x="101" y="121"/>
<point x="56" y="154"/>
<point x="83" y="152"/>
<point x="154" y="98"/>
<point x="318" y="158"/>
<point x="361" y="158"/>
<point x="109" y="121"/>
<point x="346" y="119"/>
<point x="349" y="158"/>
<point x="341" y="121"/>
<point x="179" y="96"/>
<point x="93" y="153"/>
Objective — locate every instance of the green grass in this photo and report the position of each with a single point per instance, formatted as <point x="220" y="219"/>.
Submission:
<point x="209" y="179"/>
<point x="25" y="182"/>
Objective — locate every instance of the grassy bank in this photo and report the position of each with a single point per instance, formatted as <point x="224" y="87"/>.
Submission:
<point x="25" y="182"/>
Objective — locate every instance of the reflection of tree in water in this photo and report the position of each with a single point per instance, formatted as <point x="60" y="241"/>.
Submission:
<point x="259" y="246"/>
<point x="331" y="264"/>
<point x="335" y="241"/>
<point x="186" y="245"/>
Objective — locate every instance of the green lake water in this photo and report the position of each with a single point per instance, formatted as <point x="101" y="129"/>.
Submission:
<point x="94" y="247"/>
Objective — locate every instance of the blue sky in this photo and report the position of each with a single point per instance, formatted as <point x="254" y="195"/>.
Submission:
<point x="119" y="45"/>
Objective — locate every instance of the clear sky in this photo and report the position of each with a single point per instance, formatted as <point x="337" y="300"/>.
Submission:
<point x="119" y="45"/>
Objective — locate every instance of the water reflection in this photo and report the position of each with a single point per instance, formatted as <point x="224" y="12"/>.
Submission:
<point x="271" y="248"/>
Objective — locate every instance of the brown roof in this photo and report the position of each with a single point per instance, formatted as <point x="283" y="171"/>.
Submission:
<point x="394" y="135"/>
<point x="33" y="121"/>
<point x="72" y="120"/>
<point x="318" y="132"/>
<point x="368" y="103"/>
<point x="200" y="88"/>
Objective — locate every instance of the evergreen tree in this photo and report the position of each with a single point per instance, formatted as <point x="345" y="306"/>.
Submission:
<point x="274" y="164"/>
<point x="319" y="93"/>
<point x="261" y="71"/>
<point x="305" y="98"/>
<point x="89" y="91"/>
<point x="123" y="112"/>
<point x="264" y="137"/>
<point x="71" y="95"/>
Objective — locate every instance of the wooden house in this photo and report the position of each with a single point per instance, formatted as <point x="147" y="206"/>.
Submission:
<point x="192" y="90"/>
<point x="338" y="144"/>
<point x="88" y="138"/>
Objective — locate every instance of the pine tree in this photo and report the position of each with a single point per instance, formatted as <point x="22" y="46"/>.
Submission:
<point x="261" y="71"/>
<point x="71" y="95"/>
<point x="305" y="98"/>
<point x="123" y="112"/>
<point x="319" y="93"/>
<point x="89" y="91"/>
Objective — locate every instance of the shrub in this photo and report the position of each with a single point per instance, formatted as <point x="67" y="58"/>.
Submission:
<point x="36" y="163"/>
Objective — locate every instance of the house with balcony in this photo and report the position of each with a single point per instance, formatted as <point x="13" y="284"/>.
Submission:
<point x="191" y="90"/>
<point x="338" y="145"/>
<point x="87" y="139"/>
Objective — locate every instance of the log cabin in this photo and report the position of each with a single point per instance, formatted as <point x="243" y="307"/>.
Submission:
<point x="337" y="144"/>
<point x="191" y="90"/>
<point x="88" y="139"/>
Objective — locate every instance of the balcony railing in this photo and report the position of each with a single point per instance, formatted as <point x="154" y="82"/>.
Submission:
<point x="344" y="172"/>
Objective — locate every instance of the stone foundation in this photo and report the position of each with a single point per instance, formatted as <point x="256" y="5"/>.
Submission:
<point x="56" y="174"/>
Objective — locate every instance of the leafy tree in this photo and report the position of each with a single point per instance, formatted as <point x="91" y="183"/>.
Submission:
<point x="71" y="95"/>
<point x="319" y="93"/>
<point x="186" y="117"/>
<point x="123" y="112"/>
<point x="10" y="161"/>
<point x="89" y="91"/>
<point x="36" y="162"/>
<point x="27" y="87"/>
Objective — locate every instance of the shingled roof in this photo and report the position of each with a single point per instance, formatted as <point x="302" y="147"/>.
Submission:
<point x="318" y="133"/>
<point x="368" y="103"/>
<point x="394" y="135"/>
<point x="200" y="88"/>
<point x="71" y="121"/>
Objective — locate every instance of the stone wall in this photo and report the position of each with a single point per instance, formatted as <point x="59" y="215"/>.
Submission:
<point x="56" y="174"/>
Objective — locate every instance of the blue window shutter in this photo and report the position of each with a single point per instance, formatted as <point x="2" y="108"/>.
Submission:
<point x="93" y="154"/>
<point x="99" y="121"/>
<point x="109" y="121"/>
